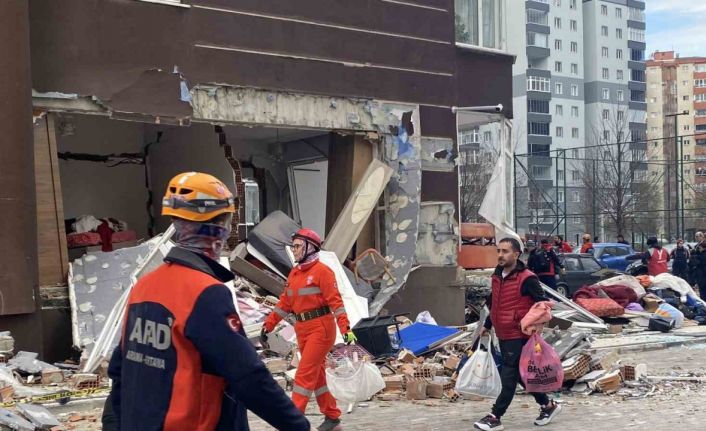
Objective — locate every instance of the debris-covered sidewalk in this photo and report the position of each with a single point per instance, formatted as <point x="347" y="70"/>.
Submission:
<point x="667" y="403"/>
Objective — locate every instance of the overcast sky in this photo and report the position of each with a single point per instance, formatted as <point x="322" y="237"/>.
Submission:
<point x="676" y="25"/>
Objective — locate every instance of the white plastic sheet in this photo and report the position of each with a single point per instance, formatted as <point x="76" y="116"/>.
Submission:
<point x="480" y="376"/>
<point x="356" y="306"/>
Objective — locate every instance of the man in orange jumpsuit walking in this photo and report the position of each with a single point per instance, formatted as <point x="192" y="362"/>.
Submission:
<point x="311" y="294"/>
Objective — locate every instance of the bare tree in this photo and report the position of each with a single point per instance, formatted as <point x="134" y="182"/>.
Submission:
<point x="615" y="178"/>
<point x="475" y="170"/>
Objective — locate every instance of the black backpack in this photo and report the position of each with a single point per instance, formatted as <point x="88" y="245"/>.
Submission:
<point x="541" y="262"/>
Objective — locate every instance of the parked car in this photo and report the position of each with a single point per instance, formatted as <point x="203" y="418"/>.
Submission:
<point x="613" y="254"/>
<point x="581" y="270"/>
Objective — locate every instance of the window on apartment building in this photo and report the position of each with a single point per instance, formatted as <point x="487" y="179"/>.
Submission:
<point x="653" y="100"/>
<point x="575" y="175"/>
<point x="637" y="75"/>
<point x="574" y="69"/>
<point x="604" y="10"/>
<point x="539" y="150"/>
<point x="557" y="66"/>
<point x="557" y="44"/>
<point x="618" y="12"/>
<point x="637" y="35"/>
<point x="637" y="96"/>
<point x="559" y="110"/>
<point x="687" y="142"/>
<point x="487" y="136"/>
<point x="620" y="95"/>
<point x="538" y="83"/>
<point x="685" y="68"/>
<point x="605" y="114"/>
<point x="574" y="47"/>
<point x="575" y="153"/>
<point x="604" y="30"/>
<point x="618" y="33"/>
<point x="574" y="111"/>
<point x="621" y="115"/>
<point x="481" y="23"/>
<point x="574" y="90"/>
<point x="606" y="135"/>
<point x="560" y="196"/>
<point x="541" y="129"/>
<point x="619" y="74"/>
<point x="558" y="88"/>
<point x="685" y="83"/>
<point x="700" y="68"/>
<point x="700" y="127"/>
<point x="560" y="175"/>
<point x="685" y="98"/>
<point x="604" y="52"/>
<point x="575" y="132"/>
<point x="700" y="83"/>
<point x="637" y="55"/>
<point x="687" y="127"/>
<point x="539" y="40"/>
<point x="470" y="136"/>
<point x="700" y="113"/>
<point x="557" y="22"/>
<point x="572" y="4"/>
<point x="605" y="73"/>
<point x="559" y="132"/>
<point x="653" y="114"/>
<point x="535" y="16"/>
<point x="636" y="14"/>
<point x="686" y="157"/>
<point x="573" y="25"/>
<point x="606" y="94"/>
<point x="557" y="3"/>
<point x="538" y="106"/>
<point x="619" y="54"/>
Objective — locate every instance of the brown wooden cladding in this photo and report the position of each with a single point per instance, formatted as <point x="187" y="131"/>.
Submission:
<point x="365" y="14"/>
<point x="51" y="236"/>
<point x="321" y="77"/>
<point x="301" y="39"/>
<point x="100" y="48"/>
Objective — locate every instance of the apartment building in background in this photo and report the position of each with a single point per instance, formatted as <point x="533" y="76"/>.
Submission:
<point x="578" y="64"/>
<point x="677" y="85"/>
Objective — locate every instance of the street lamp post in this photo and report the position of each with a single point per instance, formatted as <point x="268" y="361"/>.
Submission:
<point x="678" y="175"/>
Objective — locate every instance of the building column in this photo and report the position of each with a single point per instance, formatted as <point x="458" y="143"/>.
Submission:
<point x="20" y="302"/>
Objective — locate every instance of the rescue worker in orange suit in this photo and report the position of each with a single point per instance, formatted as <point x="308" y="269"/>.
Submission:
<point x="655" y="257"/>
<point x="184" y="361"/>
<point x="312" y="296"/>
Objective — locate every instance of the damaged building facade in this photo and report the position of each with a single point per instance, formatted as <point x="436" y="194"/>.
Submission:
<point x="289" y="102"/>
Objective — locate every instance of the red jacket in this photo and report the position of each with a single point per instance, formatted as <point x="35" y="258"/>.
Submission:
<point x="586" y="247"/>
<point x="309" y="287"/>
<point x="565" y="247"/>
<point x="509" y="306"/>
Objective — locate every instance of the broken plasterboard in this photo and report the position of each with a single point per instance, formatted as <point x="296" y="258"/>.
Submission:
<point x="437" y="242"/>
<point x="96" y="282"/>
<point x="357" y="210"/>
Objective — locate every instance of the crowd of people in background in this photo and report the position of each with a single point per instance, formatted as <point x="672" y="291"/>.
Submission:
<point x="688" y="262"/>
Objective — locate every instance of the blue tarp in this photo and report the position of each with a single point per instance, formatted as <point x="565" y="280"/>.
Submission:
<point x="419" y="336"/>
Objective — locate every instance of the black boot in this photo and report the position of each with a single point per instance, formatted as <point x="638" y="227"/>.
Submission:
<point x="330" y="425"/>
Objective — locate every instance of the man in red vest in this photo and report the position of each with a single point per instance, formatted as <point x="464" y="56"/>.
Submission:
<point x="514" y="290"/>
<point x="312" y="296"/>
<point x="655" y="257"/>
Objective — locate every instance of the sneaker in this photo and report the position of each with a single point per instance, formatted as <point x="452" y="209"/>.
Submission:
<point x="330" y="425"/>
<point x="547" y="414"/>
<point x="488" y="423"/>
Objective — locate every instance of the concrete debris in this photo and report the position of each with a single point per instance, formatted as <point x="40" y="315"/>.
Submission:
<point x="14" y="422"/>
<point x="27" y="362"/>
<point x="39" y="416"/>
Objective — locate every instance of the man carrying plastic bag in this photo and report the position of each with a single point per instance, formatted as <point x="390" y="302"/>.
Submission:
<point x="515" y="289"/>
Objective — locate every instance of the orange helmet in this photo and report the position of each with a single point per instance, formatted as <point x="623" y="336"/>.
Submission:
<point x="197" y="197"/>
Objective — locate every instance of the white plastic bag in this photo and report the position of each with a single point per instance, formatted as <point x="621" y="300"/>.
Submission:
<point x="425" y="317"/>
<point x="480" y="376"/>
<point x="354" y="381"/>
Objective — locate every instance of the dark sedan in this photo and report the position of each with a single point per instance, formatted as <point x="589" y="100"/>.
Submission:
<point x="581" y="270"/>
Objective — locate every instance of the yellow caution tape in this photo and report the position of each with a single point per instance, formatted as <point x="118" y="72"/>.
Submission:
<point x="56" y="396"/>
